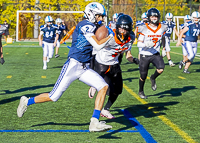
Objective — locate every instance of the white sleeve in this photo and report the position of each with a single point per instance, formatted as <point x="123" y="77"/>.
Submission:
<point x="94" y="43"/>
<point x="41" y="32"/>
<point x="141" y="44"/>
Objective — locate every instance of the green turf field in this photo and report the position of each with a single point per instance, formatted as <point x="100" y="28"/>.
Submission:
<point x="171" y="114"/>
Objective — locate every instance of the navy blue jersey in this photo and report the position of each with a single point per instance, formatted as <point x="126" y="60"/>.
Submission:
<point x="49" y="33"/>
<point x="60" y="29"/>
<point x="170" y="28"/>
<point x="193" y="32"/>
<point x="81" y="49"/>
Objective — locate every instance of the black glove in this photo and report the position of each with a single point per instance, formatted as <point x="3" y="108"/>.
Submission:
<point x="2" y="61"/>
<point x="136" y="61"/>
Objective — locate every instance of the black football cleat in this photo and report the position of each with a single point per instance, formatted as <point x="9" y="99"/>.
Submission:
<point x="153" y="84"/>
<point x="142" y="95"/>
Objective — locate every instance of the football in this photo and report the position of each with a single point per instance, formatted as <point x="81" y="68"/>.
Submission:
<point x="101" y="33"/>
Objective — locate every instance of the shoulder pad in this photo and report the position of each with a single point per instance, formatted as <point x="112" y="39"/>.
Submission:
<point x="164" y="27"/>
<point x="141" y="28"/>
<point x="173" y="23"/>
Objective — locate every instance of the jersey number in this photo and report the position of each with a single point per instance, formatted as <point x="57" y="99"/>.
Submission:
<point x="169" y="30"/>
<point x="196" y="32"/>
<point x="49" y="35"/>
<point x="155" y="40"/>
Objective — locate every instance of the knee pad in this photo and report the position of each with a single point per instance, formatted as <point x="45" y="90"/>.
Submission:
<point x="143" y="76"/>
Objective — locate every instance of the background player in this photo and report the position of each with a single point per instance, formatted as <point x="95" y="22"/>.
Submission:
<point x="187" y="19"/>
<point x="50" y="37"/>
<point x="107" y="63"/>
<point x="150" y="35"/>
<point x="61" y="27"/>
<point x="192" y="31"/>
<point x="171" y="26"/>
<point x="77" y="67"/>
<point x="112" y="24"/>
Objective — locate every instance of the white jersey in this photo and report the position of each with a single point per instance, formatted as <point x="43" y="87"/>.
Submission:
<point x="110" y="53"/>
<point x="148" y="33"/>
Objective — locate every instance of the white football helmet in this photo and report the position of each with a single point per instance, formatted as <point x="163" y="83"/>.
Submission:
<point x="58" y="20"/>
<point x="115" y="16"/>
<point x="144" y="15"/>
<point x="48" y="19"/>
<point x="169" y="16"/>
<point x="93" y="9"/>
<point x="187" y="17"/>
<point x="195" y="14"/>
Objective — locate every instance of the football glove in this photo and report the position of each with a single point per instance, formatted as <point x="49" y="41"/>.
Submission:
<point x="149" y="44"/>
<point x="110" y="31"/>
<point x="163" y="53"/>
<point x="2" y="61"/>
<point x="136" y="61"/>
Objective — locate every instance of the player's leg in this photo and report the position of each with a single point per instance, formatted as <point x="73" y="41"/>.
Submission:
<point x="190" y="56"/>
<point x="143" y="66"/>
<point x="93" y="79"/>
<point x="57" y="48"/>
<point x="168" y="49"/>
<point x="158" y="62"/>
<point x="67" y="76"/>
<point x="182" y="62"/>
<point x="116" y="86"/>
<point x="45" y="53"/>
<point x="51" y="50"/>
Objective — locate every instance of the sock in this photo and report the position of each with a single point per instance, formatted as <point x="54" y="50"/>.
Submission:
<point x="155" y="75"/>
<point x="45" y="63"/>
<point x="169" y="60"/>
<point x="96" y="114"/>
<point x="141" y="85"/>
<point x="31" y="101"/>
<point x="112" y="98"/>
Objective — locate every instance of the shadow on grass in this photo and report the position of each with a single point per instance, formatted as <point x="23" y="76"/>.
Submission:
<point x="148" y="111"/>
<point x="8" y="100"/>
<point x="174" y="91"/>
<point x="61" y="124"/>
<point x="25" y="89"/>
<point x="130" y="79"/>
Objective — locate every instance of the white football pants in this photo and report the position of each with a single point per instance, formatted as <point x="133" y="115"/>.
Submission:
<point x="167" y="44"/>
<point x="191" y="49"/>
<point x="48" y="49"/>
<point x="71" y="71"/>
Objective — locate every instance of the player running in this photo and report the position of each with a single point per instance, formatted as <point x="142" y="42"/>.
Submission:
<point x="187" y="19"/>
<point x="107" y="63"/>
<point x="171" y="26"/>
<point x="61" y="27"/>
<point x="192" y="31"/>
<point x="50" y="37"/>
<point x="77" y="67"/>
<point x="150" y="35"/>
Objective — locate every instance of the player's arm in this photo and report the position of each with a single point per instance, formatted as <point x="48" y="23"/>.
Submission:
<point x="185" y="29"/>
<point x="56" y="39"/>
<point x="40" y="38"/>
<point x="176" y="32"/>
<point x="130" y="57"/>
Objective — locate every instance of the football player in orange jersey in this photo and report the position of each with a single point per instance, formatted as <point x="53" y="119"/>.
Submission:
<point x="150" y="35"/>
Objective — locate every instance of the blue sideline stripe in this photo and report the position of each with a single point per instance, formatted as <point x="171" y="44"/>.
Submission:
<point x="146" y="135"/>
<point x="71" y="131"/>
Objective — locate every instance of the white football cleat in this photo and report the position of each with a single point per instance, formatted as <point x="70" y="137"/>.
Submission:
<point x="44" y="67"/>
<point x="22" y="106"/>
<point x="171" y="64"/>
<point x="107" y="114"/>
<point x="96" y="126"/>
<point x="91" y="92"/>
<point x="48" y="59"/>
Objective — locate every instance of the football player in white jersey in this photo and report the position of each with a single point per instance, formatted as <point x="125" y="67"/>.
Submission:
<point x="77" y="67"/>
<point x="150" y="35"/>
<point x="49" y="40"/>
<point x="112" y="24"/>
<point x="107" y="62"/>
<point x="171" y="27"/>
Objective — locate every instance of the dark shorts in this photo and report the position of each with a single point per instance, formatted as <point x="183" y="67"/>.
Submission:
<point x="7" y="33"/>
<point x="145" y="61"/>
<point x="112" y="75"/>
